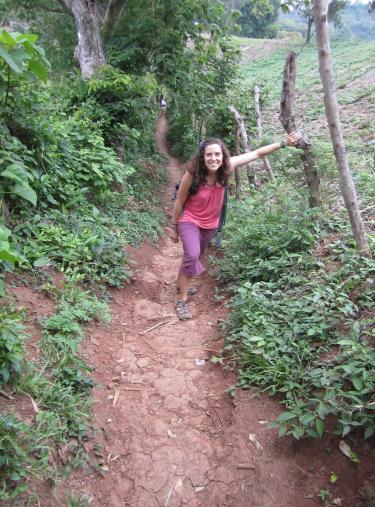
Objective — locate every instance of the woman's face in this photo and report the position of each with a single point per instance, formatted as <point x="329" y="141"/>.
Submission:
<point x="213" y="157"/>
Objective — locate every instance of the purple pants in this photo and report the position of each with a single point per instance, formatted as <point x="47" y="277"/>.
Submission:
<point x="194" y="240"/>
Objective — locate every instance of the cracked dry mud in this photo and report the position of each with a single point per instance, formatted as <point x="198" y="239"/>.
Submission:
<point x="169" y="434"/>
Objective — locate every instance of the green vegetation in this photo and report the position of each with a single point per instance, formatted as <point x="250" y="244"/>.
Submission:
<point x="258" y="17"/>
<point x="58" y="382"/>
<point x="302" y="322"/>
<point x="12" y="338"/>
<point x="78" y="182"/>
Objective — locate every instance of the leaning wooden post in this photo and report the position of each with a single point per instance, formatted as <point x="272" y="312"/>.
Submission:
<point x="257" y="112"/>
<point x="327" y="76"/>
<point x="288" y="122"/>
<point x="266" y="162"/>
<point x="251" y="176"/>
<point x="237" y="170"/>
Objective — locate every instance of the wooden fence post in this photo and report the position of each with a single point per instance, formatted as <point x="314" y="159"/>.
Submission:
<point x="327" y="76"/>
<point x="288" y="122"/>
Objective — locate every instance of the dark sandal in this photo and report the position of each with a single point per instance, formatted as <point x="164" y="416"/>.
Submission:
<point x="191" y="291"/>
<point x="182" y="310"/>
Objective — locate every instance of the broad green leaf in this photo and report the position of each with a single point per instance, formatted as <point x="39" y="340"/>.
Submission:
<point x="357" y="383"/>
<point x="4" y="233"/>
<point x="22" y="37"/>
<point x="19" y="55"/>
<point x="286" y="416"/>
<point x="26" y="192"/>
<point x="321" y="410"/>
<point x="283" y="429"/>
<point x="8" y="39"/>
<point x="6" y="56"/>
<point x="9" y="256"/>
<point x="307" y="419"/>
<point x="38" y="69"/>
<point x="41" y="51"/>
<point x="2" y="288"/>
<point x="15" y="173"/>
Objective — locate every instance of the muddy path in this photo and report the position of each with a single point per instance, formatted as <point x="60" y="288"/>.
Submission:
<point x="169" y="435"/>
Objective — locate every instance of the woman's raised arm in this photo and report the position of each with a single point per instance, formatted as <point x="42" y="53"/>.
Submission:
<point x="291" y="140"/>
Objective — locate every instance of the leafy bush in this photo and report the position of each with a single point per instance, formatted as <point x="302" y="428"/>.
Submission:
<point x="62" y="332"/>
<point x="265" y="237"/>
<point x="12" y="338"/>
<point x="78" y="246"/>
<point x="300" y="324"/>
<point x="15" y="444"/>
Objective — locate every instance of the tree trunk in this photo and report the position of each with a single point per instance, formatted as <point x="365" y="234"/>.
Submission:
<point x="288" y="121"/>
<point x="251" y="176"/>
<point x="310" y="21"/>
<point x="266" y="163"/>
<point x="332" y="113"/>
<point x="89" y="50"/>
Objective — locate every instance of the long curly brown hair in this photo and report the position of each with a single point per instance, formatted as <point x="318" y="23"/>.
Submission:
<point x="197" y="167"/>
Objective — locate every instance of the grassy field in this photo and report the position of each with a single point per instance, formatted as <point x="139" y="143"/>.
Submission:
<point x="354" y="65"/>
<point x="355" y="77"/>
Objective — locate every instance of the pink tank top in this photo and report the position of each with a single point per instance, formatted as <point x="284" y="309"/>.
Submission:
<point x="204" y="207"/>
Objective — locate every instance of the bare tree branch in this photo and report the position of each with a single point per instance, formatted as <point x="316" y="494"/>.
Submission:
<point x="251" y="176"/>
<point x="113" y="13"/>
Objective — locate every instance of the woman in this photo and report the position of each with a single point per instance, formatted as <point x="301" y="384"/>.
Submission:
<point x="198" y="204"/>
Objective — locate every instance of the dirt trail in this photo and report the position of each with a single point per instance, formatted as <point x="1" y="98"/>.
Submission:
<point x="170" y="435"/>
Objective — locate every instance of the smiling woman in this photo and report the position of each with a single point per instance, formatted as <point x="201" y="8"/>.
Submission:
<point x="199" y="202"/>
<point x="213" y="158"/>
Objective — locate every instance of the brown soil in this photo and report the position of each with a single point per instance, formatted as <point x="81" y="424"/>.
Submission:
<point x="168" y="432"/>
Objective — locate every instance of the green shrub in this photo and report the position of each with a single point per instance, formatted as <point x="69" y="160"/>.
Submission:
<point x="300" y="324"/>
<point x="15" y="444"/>
<point x="12" y="339"/>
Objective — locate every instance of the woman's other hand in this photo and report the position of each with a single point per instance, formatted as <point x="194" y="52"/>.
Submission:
<point x="174" y="234"/>
<point x="293" y="138"/>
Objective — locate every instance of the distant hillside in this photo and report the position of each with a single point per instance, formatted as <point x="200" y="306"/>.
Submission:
<point x="263" y="64"/>
<point x="356" y="22"/>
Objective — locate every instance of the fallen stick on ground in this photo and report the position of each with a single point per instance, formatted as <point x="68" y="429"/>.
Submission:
<point x="217" y="413"/>
<point x="116" y="397"/>
<point x="157" y="325"/>
<point x="6" y="395"/>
